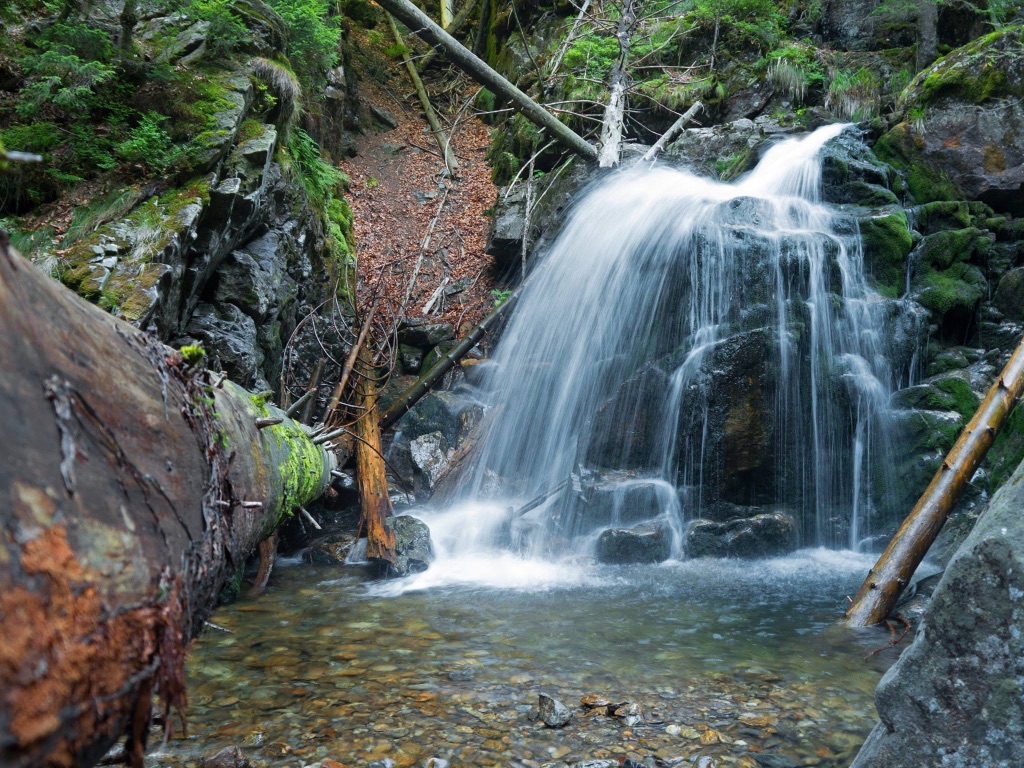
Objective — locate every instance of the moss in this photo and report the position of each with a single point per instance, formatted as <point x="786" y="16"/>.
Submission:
<point x="959" y="287"/>
<point x="301" y="464"/>
<point x="901" y="147"/>
<point x="192" y="354"/>
<point x="260" y="401"/>
<point x="249" y="130"/>
<point x="943" y="249"/>
<point x="942" y="215"/>
<point x="1007" y="451"/>
<point x="886" y="242"/>
<point x="961" y="398"/>
<point x="975" y="73"/>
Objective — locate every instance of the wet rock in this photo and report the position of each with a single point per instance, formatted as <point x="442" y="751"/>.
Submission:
<point x="767" y="535"/>
<point x="724" y="150"/>
<point x="255" y="278"/>
<point x="413" y="549"/>
<point x="332" y="549"/>
<point x="435" y="762"/>
<point x="775" y="760"/>
<point x="627" y="426"/>
<point x="229" y="336"/>
<point x="553" y="712"/>
<point x="644" y="543"/>
<point x="229" y="757"/>
<point x="1009" y="296"/>
<point x="430" y="456"/>
<point x="852" y="175"/>
<point x="954" y="697"/>
<point x="410" y="358"/>
<point x="427" y="335"/>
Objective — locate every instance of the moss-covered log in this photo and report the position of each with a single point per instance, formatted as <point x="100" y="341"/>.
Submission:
<point x="132" y="486"/>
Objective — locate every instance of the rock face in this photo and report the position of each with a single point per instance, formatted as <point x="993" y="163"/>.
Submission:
<point x="964" y="140"/>
<point x="767" y="535"/>
<point x="644" y="543"/>
<point x="956" y="697"/>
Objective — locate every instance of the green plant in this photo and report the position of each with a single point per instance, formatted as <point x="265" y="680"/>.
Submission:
<point x="71" y="60"/>
<point x="318" y="178"/>
<point x="500" y="296"/>
<point x="854" y="96"/>
<point x="313" y="39"/>
<point x="148" y="143"/>
<point x="227" y="31"/>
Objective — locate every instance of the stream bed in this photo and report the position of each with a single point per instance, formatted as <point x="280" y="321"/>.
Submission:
<point x="730" y="663"/>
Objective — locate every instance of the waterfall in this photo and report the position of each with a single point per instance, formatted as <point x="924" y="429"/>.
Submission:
<point x="686" y="343"/>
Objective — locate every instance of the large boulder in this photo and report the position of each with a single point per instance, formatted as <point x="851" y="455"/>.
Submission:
<point x="956" y="696"/>
<point x="963" y="136"/>
<point x="768" y="535"/>
<point x="413" y="548"/>
<point x="644" y="543"/>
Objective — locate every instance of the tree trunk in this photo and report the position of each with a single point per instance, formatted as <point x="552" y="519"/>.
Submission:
<point x="927" y="33"/>
<point x="428" y="109"/>
<point x="615" y="111"/>
<point x="456" y="27"/>
<point x="894" y="569"/>
<point x="411" y="396"/>
<point x="460" y="56"/>
<point x="130" y="489"/>
<point x="371" y="471"/>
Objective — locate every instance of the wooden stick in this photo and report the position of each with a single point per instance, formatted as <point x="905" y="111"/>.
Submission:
<point x="350" y="362"/>
<point x="428" y="109"/>
<point x="894" y="569"/>
<point x="672" y="132"/>
<point x="371" y="471"/>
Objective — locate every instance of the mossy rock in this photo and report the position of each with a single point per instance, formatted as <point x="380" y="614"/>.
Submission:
<point x="943" y="249"/>
<point x="947" y="392"/>
<point x="1009" y="295"/>
<point x="903" y="148"/>
<point x="941" y="215"/>
<point x="886" y="242"/>
<point x="1007" y="451"/>
<point x="957" y="289"/>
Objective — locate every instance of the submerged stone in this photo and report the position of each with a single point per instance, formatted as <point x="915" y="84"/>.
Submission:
<point x="553" y="712"/>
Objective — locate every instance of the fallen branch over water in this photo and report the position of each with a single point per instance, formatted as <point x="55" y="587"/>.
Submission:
<point x="894" y="569"/>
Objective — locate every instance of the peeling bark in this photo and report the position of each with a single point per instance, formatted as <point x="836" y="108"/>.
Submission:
<point x="371" y="471"/>
<point x="132" y="488"/>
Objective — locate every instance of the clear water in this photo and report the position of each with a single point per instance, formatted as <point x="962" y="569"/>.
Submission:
<point x="660" y="273"/>
<point x="327" y="665"/>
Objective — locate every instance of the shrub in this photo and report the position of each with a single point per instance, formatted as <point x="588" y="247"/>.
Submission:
<point x="313" y="38"/>
<point x="148" y="143"/>
<point x="70" y="62"/>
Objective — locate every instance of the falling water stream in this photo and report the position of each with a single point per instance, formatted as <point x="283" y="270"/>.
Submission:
<point x="685" y="343"/>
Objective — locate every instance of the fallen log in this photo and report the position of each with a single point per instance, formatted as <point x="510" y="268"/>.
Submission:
<point x="615" y="110"/>
<point x="412" y="395"/>
<point x="423" y="27"/>
<point x="428" y="109"/>
<point x="894" y="569"/>
<point x="132" y="488"/>
<point x="674" y="130"/>
<point x="371" y="471"/>
<point x="455" y="28"/>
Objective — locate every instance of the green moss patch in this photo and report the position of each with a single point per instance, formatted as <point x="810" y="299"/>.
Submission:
<point x="886" y="242"/>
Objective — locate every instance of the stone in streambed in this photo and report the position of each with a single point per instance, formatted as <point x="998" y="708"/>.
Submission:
<point x="644" y="543"/>
<point x="229" y="757"/>
<point x="553" y="712"/>
<point x="413" y="548"/>
<point x="768" y="535"/>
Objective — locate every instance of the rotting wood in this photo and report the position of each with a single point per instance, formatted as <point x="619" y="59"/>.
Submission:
<point x="122" y="516"/>
<point x="894" y="569"/>
<point x="411" y="396"/>
<point x="674" y="130"/>
<point x="615" y="110"/>
<point x="422" y="26"/>
<point x="428" y="109"/>
<point x="371" y="471"/>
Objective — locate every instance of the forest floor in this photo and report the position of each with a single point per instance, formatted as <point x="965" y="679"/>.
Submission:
<point x="408" y="210"/>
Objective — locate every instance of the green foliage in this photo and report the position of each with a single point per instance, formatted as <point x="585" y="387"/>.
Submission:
<point x="227" y="32"/>
<point x="313" y="39"/>
<point x="192" y="354"/>
<point x="796" y="68"/>
<point x="148" y="143"/>
<point x="318" y="178"/>
<point x="500" y="296"/>
<point x="854" y="96"/>
<point x="41" y="137"/>
<point x="511" y="145"/>
<point x="69" y="62"/>
<point x="756" y="23"/>
<point x="362" y="12"/>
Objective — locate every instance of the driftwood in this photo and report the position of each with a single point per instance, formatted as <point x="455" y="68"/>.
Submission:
<point x="894" y="569"/>
<point x="411" y="396"/>
<point x="422" y="26"/>
<point x="371" y="471"/>
<point x="674" y="130"/>
<point x="428" y="109"/>
<point x="132" y="488"/>
<point x="615" y="110"/>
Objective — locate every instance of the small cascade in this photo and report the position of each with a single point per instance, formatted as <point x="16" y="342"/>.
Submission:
<point x="686" y="344"/>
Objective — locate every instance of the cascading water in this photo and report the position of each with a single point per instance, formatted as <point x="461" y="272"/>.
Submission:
<point x="686" y="343"/>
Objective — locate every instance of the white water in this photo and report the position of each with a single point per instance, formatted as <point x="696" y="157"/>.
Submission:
<point x="663" y="274"/>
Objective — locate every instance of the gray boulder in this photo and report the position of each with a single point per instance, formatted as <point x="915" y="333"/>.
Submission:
<point x="644" y="543"/>
<point x="768" y="535"/>
<point x="553" y="712"/>
<point x="229" y="337"/>
<point x="956" y="697"/>
<point x="413" y="549"/>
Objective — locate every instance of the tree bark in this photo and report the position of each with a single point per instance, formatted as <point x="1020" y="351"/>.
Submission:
<point x="130" y="489"/>
<point x="615" y="111"/>
<point x="674" y="130"/>
<point x="453" y="29"/>
<point x="371" y="471"/>
<point x="411" y="396"/>
<point x="428" y="109"/>
<point x="422" y="26"/>
<point x="894" y="569"/>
